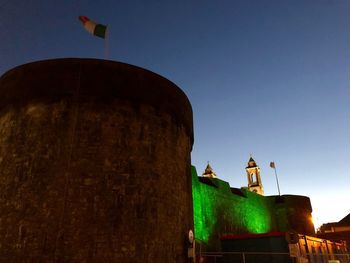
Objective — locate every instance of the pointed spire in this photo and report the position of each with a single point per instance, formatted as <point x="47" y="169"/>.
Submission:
<point x="251" y="162"/>
<point x="209" y="172"/>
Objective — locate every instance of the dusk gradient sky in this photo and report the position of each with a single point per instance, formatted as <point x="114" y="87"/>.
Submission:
<point x="269" y="78"/>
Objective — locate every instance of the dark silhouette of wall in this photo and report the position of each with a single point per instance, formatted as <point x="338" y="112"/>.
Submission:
<point x="293" y="213"/>
<point x="94" y="164"/>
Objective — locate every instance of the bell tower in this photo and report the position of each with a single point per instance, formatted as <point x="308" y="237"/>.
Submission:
<point x="209" y="172"/>
<point x="254" y="179"/>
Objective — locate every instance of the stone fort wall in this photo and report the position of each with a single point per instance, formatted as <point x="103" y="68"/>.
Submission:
<point x="219" y="210"/>
<point x="94" y="164"/>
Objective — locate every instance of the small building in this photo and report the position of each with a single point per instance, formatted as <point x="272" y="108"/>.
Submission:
<point x="280" y="247"/>
<point x="337" y="231"/>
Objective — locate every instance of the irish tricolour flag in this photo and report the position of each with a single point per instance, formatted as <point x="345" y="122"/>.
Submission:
<point x="93" y="28"/>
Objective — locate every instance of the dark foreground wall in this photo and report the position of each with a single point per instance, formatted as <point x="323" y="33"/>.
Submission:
<point x="94" y="164"/>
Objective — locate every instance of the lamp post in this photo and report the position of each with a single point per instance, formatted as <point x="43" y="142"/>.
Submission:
<point x="273" y="166"/>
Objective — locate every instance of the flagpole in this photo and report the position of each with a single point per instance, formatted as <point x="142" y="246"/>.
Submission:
<point x="273" y="166"/>
<point x="107" y="44"/>
<point x="98" y="30"/>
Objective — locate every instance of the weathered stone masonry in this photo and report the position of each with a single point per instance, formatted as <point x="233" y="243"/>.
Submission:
<point x="94" y="164"/>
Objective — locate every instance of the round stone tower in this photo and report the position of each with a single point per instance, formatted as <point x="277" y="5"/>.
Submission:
<point x="293" y="213"/>
<point x="94" y="164"/>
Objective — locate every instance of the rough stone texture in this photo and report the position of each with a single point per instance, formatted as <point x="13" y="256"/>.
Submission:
<point x="293" y="213"/>
<point x="94" y="164"/>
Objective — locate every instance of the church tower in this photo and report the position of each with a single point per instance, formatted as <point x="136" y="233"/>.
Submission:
<point x="209" y="172"/>
<point x="254" y="179"/>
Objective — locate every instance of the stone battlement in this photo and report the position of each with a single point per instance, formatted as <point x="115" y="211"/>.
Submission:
<point x="220" y="210"/>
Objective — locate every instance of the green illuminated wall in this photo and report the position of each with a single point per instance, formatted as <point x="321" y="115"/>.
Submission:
<point x="218" y="211"/>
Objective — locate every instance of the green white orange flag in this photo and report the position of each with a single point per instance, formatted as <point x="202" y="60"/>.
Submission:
<point x="92" y="27"/>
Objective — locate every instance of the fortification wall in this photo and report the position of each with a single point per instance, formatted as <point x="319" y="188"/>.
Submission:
<point x="293" y="213"/>
<point x="94" y="164"/>
<point x="220" y="210"/>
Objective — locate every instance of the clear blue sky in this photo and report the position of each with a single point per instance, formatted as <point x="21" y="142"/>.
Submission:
<point x="271" y="78"/>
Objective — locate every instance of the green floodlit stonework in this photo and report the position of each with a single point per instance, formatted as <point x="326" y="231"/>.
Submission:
<point x="219" y="210"/>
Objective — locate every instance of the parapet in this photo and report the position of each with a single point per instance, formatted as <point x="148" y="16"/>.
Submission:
<point x="101" y="80"/>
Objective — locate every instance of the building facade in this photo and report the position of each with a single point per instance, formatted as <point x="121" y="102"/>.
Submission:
<point x="337" y="231"/>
